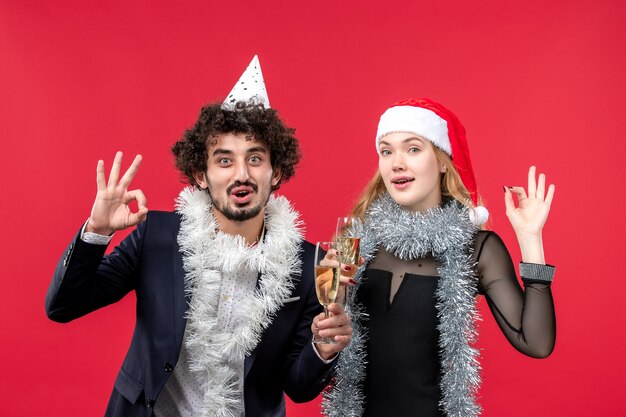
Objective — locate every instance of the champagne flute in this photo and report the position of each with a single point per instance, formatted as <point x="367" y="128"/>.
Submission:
<point x="349" y="241"/>
<point x="326" y="280"/>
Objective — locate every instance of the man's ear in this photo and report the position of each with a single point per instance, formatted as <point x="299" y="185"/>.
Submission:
<point x="276" y="176"/>
<point x="200" y="178"/>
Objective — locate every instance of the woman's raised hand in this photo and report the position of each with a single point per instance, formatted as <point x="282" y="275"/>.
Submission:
<point x="111" y="211"/>
<point x="529" y="217"/>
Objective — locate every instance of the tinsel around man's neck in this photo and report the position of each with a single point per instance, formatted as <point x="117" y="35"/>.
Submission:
<point x="209" y="253"/>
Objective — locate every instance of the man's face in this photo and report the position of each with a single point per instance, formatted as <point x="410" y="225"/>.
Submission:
<point x="239" y="176"/>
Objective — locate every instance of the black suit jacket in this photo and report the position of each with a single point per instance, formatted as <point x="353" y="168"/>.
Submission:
<point x="148" y="262"/>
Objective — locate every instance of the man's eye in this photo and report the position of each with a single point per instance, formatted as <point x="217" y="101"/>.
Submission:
<point x="255" y="159"/>
<point x="223" y="161"/>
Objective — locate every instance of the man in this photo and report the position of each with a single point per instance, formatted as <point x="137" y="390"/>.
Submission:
<point x="225" y="296"/>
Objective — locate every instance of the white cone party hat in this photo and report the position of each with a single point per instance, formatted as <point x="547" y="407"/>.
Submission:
<point x="250" y="88"/>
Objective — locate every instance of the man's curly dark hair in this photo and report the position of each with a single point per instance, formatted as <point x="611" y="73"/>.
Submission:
<point x="255" y="121"/>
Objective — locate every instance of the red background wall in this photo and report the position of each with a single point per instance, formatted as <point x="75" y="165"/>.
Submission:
<point x="534" y="82"/>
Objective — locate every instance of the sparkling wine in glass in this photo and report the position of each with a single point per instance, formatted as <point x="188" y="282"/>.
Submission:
<point x="327" y="276"/>
<point x="350" y="249"/>
<point x="348" y="241"/>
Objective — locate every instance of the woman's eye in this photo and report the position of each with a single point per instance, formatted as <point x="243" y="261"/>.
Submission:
<point x="414" y="149"/>
<point x="385" y="152"/>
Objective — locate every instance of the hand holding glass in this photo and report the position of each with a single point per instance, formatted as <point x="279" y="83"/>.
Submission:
<point x="327" y="276"/>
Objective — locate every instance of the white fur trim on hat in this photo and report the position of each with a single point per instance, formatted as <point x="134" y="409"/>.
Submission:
<point x="250" y="88"/>
<point x="416" y="120"/>
<point x="478" y="215"/>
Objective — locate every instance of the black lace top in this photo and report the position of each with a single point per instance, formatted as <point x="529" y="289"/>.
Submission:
<point x="403" y="370"/>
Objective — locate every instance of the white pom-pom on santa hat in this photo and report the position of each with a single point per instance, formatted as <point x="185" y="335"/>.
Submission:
<point x="479" y="215"/>
<point x="432" y="121"/>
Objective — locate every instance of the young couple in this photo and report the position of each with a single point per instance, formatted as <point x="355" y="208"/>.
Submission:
<point x="226" y="305"/>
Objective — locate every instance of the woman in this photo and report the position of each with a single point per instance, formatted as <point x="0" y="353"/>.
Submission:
<point x="426" y="260"/>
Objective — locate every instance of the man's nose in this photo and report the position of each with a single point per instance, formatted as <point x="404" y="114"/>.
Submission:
<point x="241" y="173"/>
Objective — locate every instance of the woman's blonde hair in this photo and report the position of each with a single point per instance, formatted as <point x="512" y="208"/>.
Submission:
<point x="451" y="186"/>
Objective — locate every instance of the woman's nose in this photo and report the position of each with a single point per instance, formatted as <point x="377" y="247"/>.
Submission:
<point x="398" y="162"/>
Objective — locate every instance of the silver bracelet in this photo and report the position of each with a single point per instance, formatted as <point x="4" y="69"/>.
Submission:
<point x="536" y="271"/>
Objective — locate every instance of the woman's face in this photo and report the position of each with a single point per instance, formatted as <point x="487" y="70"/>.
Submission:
<point x="410" y="170"/>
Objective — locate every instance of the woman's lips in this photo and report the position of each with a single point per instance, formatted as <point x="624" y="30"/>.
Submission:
<point x="400" y="183"/>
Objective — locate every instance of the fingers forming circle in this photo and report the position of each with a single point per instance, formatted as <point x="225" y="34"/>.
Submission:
<point x="520" y="192"/>
<point x="136" y="195"/>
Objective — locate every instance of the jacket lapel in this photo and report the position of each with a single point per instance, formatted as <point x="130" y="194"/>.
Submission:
<point x="181" y="300"/>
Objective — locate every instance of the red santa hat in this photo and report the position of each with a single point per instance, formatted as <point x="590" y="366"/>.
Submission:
<point x="435" y="123"/>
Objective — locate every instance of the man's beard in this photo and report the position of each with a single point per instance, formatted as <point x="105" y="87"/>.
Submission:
<point x="238" y="214"/>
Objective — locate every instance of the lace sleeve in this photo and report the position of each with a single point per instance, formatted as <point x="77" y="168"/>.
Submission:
<point x="526" y="317"/>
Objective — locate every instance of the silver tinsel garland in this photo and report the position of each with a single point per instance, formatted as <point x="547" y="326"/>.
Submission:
<point x="207" y="253"/>
<point x="447" y="233"/>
